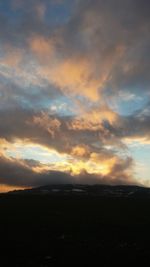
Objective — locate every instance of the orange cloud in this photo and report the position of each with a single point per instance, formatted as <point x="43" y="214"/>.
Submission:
<point x="12" y="56"/>
<point x="93" y="119"/>
<point x="42" y="47"/>
<point x="74" y="75"/>
<point x="71" y="76"/>
<point x="50" y="124"/>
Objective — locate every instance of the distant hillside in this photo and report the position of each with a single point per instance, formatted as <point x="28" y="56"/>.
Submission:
<point x="92" y="190"/>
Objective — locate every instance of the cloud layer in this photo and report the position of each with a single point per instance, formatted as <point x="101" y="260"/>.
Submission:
<point x="75" y="83"/>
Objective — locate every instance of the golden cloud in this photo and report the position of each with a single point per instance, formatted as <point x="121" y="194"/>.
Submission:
<point x="80" y="151"/>
<point x="137" y="140"/>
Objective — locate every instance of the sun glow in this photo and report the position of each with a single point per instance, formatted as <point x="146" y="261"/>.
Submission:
<point x="6" y="188"/>
<point x="44" y="159"/>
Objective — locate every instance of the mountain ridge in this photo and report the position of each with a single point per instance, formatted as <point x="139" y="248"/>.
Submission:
<point x="84" y="189"/>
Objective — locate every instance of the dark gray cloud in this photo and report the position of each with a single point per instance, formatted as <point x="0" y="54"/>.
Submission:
<point x="64" y="133"/>
<point x="115" y="36"/>
<point x="19" y="173"/>
<point x="20" y="20"/>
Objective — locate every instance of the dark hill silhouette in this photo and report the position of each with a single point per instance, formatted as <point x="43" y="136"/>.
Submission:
<point x="91" y="190"/>
<point x="75" y="225"/>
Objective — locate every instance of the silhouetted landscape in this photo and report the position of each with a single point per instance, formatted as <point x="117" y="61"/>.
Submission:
<point x="75" y="225"/>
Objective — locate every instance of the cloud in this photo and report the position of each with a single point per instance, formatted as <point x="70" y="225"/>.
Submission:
<point x="21" y="173"/>
<point x="103" y="47"/>
<point x="95" y="52"/>
<point x="47" y="123"/>
<point x="80" y="151"/>
<point x="83" y="149"/>
<point x="141" y="121"/>
<point x="113" y="35"/>
<point x="43" y="128"/>
<point x="12" y="56"/>
<point x="41" y="47"/>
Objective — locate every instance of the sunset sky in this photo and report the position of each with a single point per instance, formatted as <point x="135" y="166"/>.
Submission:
<point x="74" y="92"/>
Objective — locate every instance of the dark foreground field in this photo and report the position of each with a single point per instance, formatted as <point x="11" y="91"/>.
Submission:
<point x="49" y="230"/>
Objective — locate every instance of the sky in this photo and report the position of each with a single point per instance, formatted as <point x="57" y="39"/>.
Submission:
<point x="74" y="92"/>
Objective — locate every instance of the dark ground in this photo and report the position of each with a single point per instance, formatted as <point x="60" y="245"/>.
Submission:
<point x="52" y="230"/>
